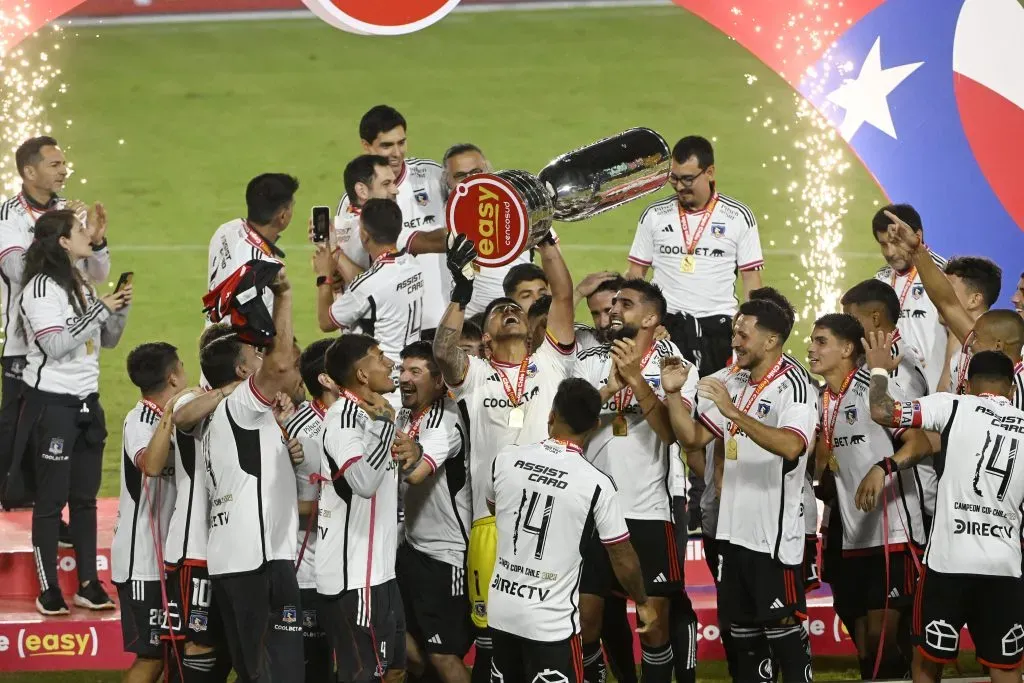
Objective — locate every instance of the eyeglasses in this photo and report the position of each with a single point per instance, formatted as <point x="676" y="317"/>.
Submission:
<point x="459" y="177"/>
<point x="505" y="308"/>
<point x="685" y="180"/>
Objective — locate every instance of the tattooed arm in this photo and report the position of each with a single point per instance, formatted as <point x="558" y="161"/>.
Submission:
<point x="885" y="410"/>
<point x="452" y="360"/>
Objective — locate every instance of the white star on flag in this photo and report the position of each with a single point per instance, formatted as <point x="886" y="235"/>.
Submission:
<point x="864" y="97"/>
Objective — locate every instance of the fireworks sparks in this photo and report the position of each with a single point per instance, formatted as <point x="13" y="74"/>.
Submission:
<point x="29" y="79"/>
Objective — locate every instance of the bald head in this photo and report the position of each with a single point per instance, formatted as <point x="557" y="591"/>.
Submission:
<point x="999" y="330"/>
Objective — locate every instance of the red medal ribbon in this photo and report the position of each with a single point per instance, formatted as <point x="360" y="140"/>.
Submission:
<point x="961" y="367"/>
<point x="414" y="422"/>
<point x="32" y="211"/>
<point x="625" y="396"/>
<point x="772" y="375"/>
<point x="515" y="396"/>
<point x="567" y="445"/>
<point x="911" y="276"/>
<point x="828" y="424"/>
<point x="684" y="222"/>
<point x="152" y="406"/>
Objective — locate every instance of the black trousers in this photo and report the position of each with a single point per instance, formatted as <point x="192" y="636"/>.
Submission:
<point x="64" y="437"/>
<point x="10" y="406"/>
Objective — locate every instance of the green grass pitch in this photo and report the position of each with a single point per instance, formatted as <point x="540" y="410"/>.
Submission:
<point x="202" y="108"/>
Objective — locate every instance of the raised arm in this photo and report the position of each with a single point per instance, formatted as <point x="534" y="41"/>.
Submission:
<point x="885" y="410"/>
<point x="452" y="360"/>
<point x="278" y="369"/>
<point x="113" y="327"/>
<point x="561" y="315"/>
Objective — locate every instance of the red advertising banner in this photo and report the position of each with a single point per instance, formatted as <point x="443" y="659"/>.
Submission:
<point x="114" y="8"/>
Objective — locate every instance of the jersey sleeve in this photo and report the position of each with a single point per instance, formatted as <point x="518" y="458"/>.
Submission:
<point x="608" y="518"/>
<point x="12" y="251"/>
<point x="931" y="413"/>
<point x="136" y="438"/>
<point x="642" y="250"/>
<point x="247" y="405"/>
<point x="476" y="374"/>
<point x="590" y="366"/>
<point x="181" y="403"/>
<point x="689" y="390"/>
<point x="43" y="309"/>
<point x="349" y="308"/>
<point x="799" y="411"/>
<point x="436" y="444"/>
<point x="561" y="357"/>
<point x="304" y="471"/>
<point x="748" y="249"/>
<point x="353" y="248"/>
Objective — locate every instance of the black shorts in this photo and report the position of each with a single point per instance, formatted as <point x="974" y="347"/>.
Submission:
<point x="194" y="614"/>
<point x="519" y="659"/>
<point x="262" y="612"/>
<point x="660" y="563"/>
<point x="860" y="582"/>
<point x="832" y="547"/>
<point x="812" y="580"/>
<point x="436" y="605"/>
<point x="755" y="588"/>
<point x="315" y="647"/>
<point x="990" y="606"/>
<point x="141" y="618"/>
<point x="367" y="636"/>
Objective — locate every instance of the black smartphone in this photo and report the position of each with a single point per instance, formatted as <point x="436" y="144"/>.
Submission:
<point x="321" y="223"/>
<point x="124" y="281"/>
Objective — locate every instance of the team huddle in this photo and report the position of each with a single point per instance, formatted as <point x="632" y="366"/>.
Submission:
<point x="464" y="466"/>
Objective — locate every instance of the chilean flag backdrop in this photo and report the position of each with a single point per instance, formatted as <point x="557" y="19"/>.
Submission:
<point x="928" y="93"/>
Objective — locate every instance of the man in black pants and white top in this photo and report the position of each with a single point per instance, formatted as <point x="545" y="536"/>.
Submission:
<point x="254" y="515"/>
<point x="548" y="503"/>
<point x="43" y="170"/>
<point x="973" y="559"/>
<point x="360" y="604"/>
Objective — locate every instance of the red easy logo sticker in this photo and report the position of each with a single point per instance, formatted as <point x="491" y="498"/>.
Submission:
<point x="488" y="210"/>
<point x="376" y="17"/>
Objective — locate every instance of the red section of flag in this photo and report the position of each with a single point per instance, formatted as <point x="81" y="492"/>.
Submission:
<point x="393" y="13"/>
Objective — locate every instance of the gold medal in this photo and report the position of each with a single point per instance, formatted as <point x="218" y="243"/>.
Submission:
<point x="732" y="449"/>
<point x="516" y="417"/>
<point x="619" y="426"/>
<point x="88" y="347"/>
<point x="689" y="264"/>
<point x="833" y="462"/>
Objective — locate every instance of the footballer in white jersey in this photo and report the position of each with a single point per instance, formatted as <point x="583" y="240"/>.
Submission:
<point x="974" y="554"/>
<point x="234" y="244"/>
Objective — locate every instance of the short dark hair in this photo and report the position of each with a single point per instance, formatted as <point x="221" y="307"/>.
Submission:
<point x="343" y="353"/>
<point x="777" y="298"/>
<point x="539" y="307"/>
<point x="500" y="301"/>
<point x="650" y="292"/>
<point x="979" y="274"/>
<point x="769" y="316"/>
<point x="478" y="319"/>
<point x="844" y="327"/>
<point x="149" y="364"/>
<point x="518" y="274"/>
<point x="905" y="212"/>
<point x="30" y="152"/>
<point x="362" y="169"/>
<point x="694" y="146"/>
<point x="219" y="360"/>
<point x="613" y="285"/>
<point x="577" y="403"/>
<point x="214" y="332"/>
<point x="874" y="291"/>
<point x="470" y="330"/>
<point x="311" y="364"/>
<point x="993" y="366"/>
<point x="423" y="350"/>
<point x="461" y="148"/>
<point x="382" y="220"/>
<point x="267" y="194"/>
<point x="380" y="119"/>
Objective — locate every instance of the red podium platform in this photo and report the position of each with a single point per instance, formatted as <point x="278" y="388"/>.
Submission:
<point x="92" y="640"/>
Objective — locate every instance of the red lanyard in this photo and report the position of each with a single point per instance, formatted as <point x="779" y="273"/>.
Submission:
<point x="32" y="211"/>
<point x="911" y="276"/>
<point x="961" y="366"/>
<point x="774" y="373"/>
<point x="414" y="422"/>
<point x="154" y="407"/>
<point x="828" y="423"/>
<point x="567" y="445"/>
<point x="625" y="396"/>
<point x="516" y="396"/>
<point x="684" y="222"/>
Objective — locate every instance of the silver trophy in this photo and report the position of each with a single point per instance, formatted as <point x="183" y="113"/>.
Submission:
<point x="508" y="212"/>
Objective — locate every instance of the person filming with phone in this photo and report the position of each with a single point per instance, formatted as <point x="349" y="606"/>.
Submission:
<point x="62" y="428"/>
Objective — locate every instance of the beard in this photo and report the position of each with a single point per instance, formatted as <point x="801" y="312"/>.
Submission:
<point x="624" y="332"/>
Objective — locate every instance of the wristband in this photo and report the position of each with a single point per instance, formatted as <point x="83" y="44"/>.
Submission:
<point x="879" y="372"/>
<point x="888" y="465"/>
<point x="101" y="246"/>
<point x="322" y="280"/>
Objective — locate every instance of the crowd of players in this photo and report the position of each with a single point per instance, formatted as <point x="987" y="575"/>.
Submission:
<point x="465" y="465"/>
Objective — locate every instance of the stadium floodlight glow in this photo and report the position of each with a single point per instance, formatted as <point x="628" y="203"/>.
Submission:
<point x="27" y="74"/>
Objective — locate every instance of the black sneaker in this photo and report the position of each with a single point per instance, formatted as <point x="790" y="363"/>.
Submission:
<point x="51" y="603"/>
<point x="93" y="597"/>
<point x="64" y="536"/>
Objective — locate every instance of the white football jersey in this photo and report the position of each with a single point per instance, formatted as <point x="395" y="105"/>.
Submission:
<point x="438" y="510"/>
<point x="189" y="526"/>
<point x="489" y="407"/>
<point x="919" y="321"/>
<point x="488" y="284"/>
<point x="306" y="425"/>
<point x="729" y="242"/>
<point x="638" y="461"/>
<point x="358" y="536"/>
<point x="18" y="216"/>
<point x="977" y="514"/>
<point x="548" y="503"/>
<point x="421" y="196"/>
<point x="958" y="363"/>
<point x="232" y="246"/>
<point x="762" y="493"/>
<point x="858" y="443"/>
<point x="254" y="510"/>
<point x="145" y="505"/>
